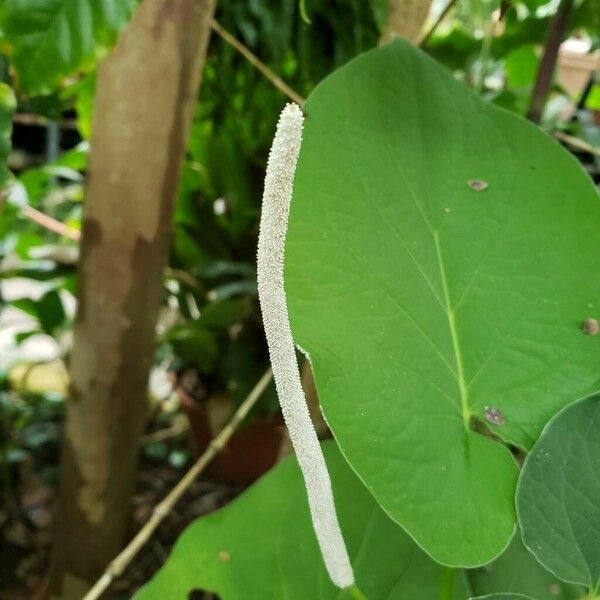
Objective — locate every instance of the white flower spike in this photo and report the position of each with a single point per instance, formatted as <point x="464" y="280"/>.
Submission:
<point x="277" y="197"/>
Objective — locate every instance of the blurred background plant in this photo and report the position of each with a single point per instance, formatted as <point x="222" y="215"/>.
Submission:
<point x="210" y="346"/>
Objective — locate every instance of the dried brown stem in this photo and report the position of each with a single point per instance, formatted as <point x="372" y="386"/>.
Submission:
<point x="51" y="224"/>
<point x="256" y="62"/>
<point x="576" y="143"/>
<point x="164" y="434"/>
<point x="426" y="37"/>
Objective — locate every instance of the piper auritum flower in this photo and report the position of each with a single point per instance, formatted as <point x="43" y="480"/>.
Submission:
<point x="277" y="198"/>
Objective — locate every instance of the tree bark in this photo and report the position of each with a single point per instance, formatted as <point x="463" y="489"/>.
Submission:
<point x="146" y="91"/>
<point x="405" y="18"/>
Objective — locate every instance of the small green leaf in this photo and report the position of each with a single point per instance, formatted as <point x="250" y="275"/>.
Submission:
<point x="262" y="545"/>
<point x="226" y="312"/>
<point x="48" y="310"/>
<point x="8" y="104"/>
<point x="27" y="305"/>
<point x="441" y="258"/>
<point x="55" y="39"/>
<point x="25" y="241"/>
<point x="51" y="312"/>
<point x="84" y="92"/>
<point x="521" y="66"/>
<point x="193" y="343"/>
<point x="558" y="496"/>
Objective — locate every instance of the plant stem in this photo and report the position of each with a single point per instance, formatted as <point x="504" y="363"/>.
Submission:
<point x="50" y="223"/>
<point x="558" y="27"/>
<point x="356" y="592"/>
<point x="303" y="13"/>
<point x="257" y="63"/>
<point x="577" y="143"/>
<point x="447" y="584"/>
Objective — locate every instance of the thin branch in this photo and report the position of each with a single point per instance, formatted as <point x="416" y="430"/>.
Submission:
<point x="576" y="143"/>
<point x="30" y="119"/>
<point x="118" y="565"/>
<point x="183" y="277"/>
<point x="556" y="34"/>
<point x="51" y="224"/>
<point x="165" y="434"/>
<point x="426" y="37"/>
<point x="256" y="62"/>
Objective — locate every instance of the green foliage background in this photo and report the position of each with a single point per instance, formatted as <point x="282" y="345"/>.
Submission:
<point x="48" y="54"/>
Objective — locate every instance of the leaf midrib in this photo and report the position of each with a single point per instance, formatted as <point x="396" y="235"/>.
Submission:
<point x="462" y="385"/>
<point x="459" y="374"/>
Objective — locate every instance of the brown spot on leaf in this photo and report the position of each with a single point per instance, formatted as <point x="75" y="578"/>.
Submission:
<point x="493" y="415"/>
<point x="223" y="556"/>
<point x="478" y="185"/>
<point x="591" y="326"/>
<point x="555" y="589"/>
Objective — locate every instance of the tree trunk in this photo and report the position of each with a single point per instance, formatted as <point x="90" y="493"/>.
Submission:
<point x="405" y="18"/>
<point x="146" y="91"/>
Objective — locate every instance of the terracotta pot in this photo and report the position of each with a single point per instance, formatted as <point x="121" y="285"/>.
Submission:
<point x="250" y="452"/>
<point x="575" y="69"/>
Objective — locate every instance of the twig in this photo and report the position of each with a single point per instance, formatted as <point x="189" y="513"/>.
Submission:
<point x="423" y="41"/>
<point x="183" y="277"/>
<point x="576" y="143"/>
<point x="558" y="27"/>
<point x="30" y="119"/>
<point x="118" y="565"/>
<point x="51" y="224"/>
<point x="254" y="60"/>
<point x="164" y="434"/>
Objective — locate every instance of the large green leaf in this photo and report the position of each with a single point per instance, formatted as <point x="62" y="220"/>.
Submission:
<point x="8" y="105"/>
<point x="517" y="571"/>
<point x="263" y="546"/>
<point x="558" y="497"/>
<point x="54" y="39"/>
<point x="442" y="255"/>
